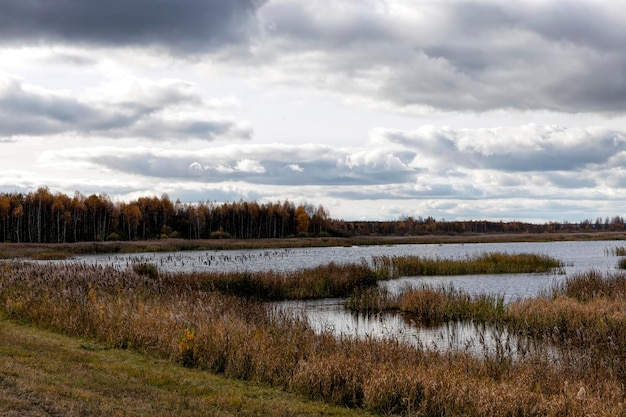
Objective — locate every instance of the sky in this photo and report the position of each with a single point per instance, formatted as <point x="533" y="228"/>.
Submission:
<point x="375" y="109"/>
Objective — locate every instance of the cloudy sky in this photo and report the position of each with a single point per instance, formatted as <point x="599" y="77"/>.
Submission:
<point x="376" y="109"/>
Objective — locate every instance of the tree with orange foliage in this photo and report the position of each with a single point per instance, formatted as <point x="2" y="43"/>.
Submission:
<point x="302" y="220"/>
<point x="5" y="210"/>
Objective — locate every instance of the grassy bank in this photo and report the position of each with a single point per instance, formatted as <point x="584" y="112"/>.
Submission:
<point x="43" y="373"/>
<point x="245" y="340"/>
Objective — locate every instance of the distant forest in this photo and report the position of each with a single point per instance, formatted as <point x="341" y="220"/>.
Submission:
<point x="45" y="217"/>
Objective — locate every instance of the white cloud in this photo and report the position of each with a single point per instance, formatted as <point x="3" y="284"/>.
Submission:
<point x="249" y="165"/>
<point x="295" y="168"/>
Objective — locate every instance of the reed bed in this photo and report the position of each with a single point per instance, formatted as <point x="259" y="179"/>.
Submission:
<point x="586" y="316"/>
<point x="428" y="304"/>
<point x="324" y="281"/>
<point x="241" y="338"/>
<point x="450" y="304"/>
<point x="389" y="267"/>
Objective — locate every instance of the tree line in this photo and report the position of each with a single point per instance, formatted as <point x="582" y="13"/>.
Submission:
<point x="409" y="226"/>
<point x="45" y="217"/>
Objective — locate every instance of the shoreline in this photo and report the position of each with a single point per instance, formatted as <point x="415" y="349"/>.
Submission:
<point x="61" y="250"/>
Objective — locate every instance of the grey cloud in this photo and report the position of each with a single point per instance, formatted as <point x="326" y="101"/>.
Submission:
<point x="401" y="192"/>
<point x="571" y="180"/>
<point x="428" y="140"/>
<point x="187" y="26"/>
<point x="254" y="164"/>
<point x="23" y="112"/>
<point x="454" y="56"/>
<point x="459" y="56"/>
<point x="426" y="163"/>
<point x="70" y="59"/>
<point x="326" y="25"/>
<point x="28" y="111"/>
<point x="320" y="171"/>
<point x="156" y="127"/>
<point x="521" y="149"/>
<point x="592" y="24"/>
<point x="559" y="156"/>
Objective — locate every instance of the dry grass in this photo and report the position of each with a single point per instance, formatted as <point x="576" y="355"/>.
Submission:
<point x="592" y="285"/>
<point x="246" y="340"/>
<point x="427" y="304"/>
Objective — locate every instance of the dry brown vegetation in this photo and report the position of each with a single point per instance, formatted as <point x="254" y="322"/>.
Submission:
<point x="579" y="327"/>
<point x="388" y="267"/>
<point x="427" y="304"/>
<point x="244" y="339"/>
<point x="324" y="281"/>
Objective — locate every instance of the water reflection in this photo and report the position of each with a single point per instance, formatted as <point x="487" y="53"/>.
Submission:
<point x="330" y="315"/>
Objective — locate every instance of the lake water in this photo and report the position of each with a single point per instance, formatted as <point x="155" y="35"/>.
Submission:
<point x="330" y="314"/>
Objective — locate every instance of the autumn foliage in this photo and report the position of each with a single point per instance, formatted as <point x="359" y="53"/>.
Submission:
<point x="45" y="217"/>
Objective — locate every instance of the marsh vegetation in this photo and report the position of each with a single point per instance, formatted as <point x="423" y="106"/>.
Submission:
<point x="218" y="323"/>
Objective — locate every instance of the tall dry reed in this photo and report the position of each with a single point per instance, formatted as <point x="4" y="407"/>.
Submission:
<point x="585" y="318"/>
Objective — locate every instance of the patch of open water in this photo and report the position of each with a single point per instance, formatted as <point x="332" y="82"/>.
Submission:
<point x="330" y="314"/>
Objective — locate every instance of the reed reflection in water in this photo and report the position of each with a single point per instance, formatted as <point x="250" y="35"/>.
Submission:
<point x="330" y="315"/>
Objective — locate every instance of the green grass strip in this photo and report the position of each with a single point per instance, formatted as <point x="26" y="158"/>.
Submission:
<point x="44" y="373"/>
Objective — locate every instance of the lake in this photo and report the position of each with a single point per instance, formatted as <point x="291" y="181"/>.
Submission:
<point x="330" y="314"/>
